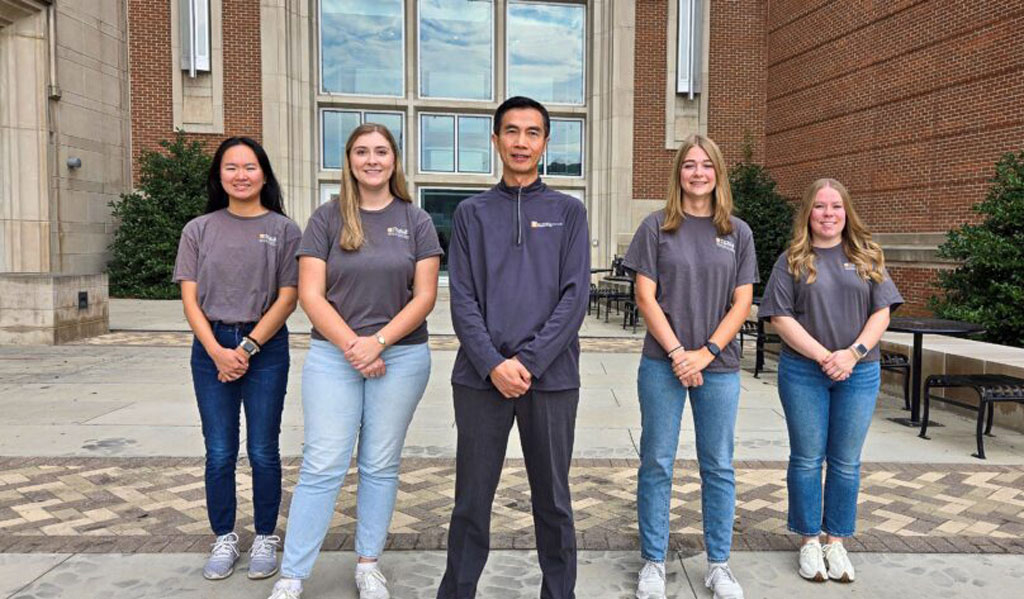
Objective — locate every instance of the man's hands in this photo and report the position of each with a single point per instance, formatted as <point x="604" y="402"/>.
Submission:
<point x="838" y="365"/>
<point x="511" y="378"/>
<point x="231" y="363"/>
<point x="687" y="366"/>
<point x="363" y="353"/>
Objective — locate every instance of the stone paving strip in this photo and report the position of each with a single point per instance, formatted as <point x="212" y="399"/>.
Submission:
<point x="156" y="505"/>
<point x="300" y="341"/>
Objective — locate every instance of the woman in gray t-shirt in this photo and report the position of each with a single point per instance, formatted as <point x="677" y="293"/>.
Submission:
<point x="829" y="298"/>
<point x="695" y="268"/>
<point x="368" y="266"/>
<point x="236" y="266"/>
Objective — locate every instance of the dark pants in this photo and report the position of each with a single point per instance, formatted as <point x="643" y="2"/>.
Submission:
<point x="261" y="391"/>
<point x="546" y="421"/>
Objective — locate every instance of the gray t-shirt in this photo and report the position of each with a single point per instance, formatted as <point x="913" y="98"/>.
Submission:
<point x="697" y="272"/>
<point x="835" y="307"/>
<point x="368" y="287"/>
<point x="238" y="262"/>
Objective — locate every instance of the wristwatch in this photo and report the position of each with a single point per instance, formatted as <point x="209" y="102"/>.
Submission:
<point x="859" y="350"/>
<point x="380" y="339"/>
<point x="249" y="346"/>
<point x="713" y="348"/>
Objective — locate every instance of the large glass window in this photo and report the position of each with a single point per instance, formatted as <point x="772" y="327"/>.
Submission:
<point x="361" y="47"/>
<point x="545" y="51"/>
<point x="440" y="205"/>
<point x="564" y="154"/>
<point x="456" y="45"/>
<point x="455" y="143"/>
<point x="338" y="125"/>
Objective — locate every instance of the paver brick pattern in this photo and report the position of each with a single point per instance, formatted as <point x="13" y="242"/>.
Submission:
<point x="157" y="505"/>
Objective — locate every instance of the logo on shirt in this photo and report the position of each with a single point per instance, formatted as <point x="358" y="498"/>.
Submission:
<point x="398" y="232"/>
<point x="849" y="266"/>
<point x="539" y="225"/>
<point x="268" y="239"/>
<point x="726" y="244"/>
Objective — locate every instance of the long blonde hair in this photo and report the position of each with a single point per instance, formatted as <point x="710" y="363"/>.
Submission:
<point x="721" y="196"/>
<point x="864" y="253"/>
<point x="352" y="237"/>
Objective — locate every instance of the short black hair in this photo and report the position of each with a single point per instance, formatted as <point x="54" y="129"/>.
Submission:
<point x="517" y="102"/>
<point x="217" y="198"/>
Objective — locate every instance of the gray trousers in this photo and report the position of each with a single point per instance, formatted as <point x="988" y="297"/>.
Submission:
<point x="546" y="422"/>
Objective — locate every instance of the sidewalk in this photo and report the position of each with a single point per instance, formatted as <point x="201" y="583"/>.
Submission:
<point x="101" y="484"/>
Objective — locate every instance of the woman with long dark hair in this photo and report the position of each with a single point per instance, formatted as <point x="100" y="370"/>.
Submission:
<point x="695" y="269"/>
<point x="238" y="275"/>
<point x="368" y="267"/>
<point x="829" y="298"/>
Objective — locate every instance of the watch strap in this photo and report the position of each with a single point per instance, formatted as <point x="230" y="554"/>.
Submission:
<point x="713" y="348"/>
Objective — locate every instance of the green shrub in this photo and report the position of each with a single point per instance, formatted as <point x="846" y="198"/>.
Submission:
<point x="769" y="215"/>
<point x="171" y="192"/>
<point x="988" y="286"/>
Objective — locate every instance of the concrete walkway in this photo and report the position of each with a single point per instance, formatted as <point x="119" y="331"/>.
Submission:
<point x="78" y="419"/>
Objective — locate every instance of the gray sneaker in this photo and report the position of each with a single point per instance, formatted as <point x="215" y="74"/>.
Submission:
<point x="263" y="556"/>
<point x="222" y="557"/>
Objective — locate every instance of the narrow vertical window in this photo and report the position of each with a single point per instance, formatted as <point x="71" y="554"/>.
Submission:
<point x="688" y="63"/>
<point x="194" y="25"/>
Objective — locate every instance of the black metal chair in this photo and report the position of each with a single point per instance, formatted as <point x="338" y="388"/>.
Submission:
<point x="756" y="330"/>
<point x="991" y="389"/>
<point x="900" y="364"/>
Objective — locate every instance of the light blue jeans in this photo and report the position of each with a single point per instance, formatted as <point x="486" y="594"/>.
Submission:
<point x="714" y="406"/>
<point x="339" y="405"/>
<point x="828" y="422"/>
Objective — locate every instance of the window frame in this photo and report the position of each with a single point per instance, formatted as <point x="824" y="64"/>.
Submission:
<point x="320" y="57"/>
<point x="583" y="66"/>
<point x="362" y="119"/>
<point x="455" y="147"/>
<point x="193" y="16"/>
<point x="419" y="60"/>
<point x="583" y="150"/>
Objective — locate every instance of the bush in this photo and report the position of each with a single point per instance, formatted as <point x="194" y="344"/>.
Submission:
<point x="988" y="286"/>
<point x="171" y="192"/>
<point x="769" y="215"/>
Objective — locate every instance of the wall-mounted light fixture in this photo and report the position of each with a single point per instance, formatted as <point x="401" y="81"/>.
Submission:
<point x="74" y="162"/>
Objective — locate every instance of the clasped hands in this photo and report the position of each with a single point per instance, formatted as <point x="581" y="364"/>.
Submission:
<point x="688" y="365"/>
<point x="838" y="365"/>
<point x="231" y="363"/>
<point x="363" y="353"/>
<point x="511" y="378"/>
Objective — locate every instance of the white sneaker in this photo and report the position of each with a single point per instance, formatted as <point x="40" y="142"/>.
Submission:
<point x="223" y="556"/>
<point x="812" y="562"/>
<point x="284" y="589"/>
<point x="651" y="581"/>
<point x="372" y="584"/>
<point x="839" y="566"/>
<point x="722" y="582"/>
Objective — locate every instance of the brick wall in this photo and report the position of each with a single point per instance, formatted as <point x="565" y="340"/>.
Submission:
<point x="735" y="87"/>
<point x="909" y="103"/>
<point x="149" y="57"/>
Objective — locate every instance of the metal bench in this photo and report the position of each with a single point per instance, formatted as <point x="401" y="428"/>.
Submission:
<point x="900" y="364"/>
<point x="991" y="388"/>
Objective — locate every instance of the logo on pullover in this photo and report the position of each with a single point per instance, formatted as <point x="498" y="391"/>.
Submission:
<point x="849" y="266"/>
<point x="268" y="239"/>
<point x="725" y="244"/>
<point x="398" y="232"/>
<point x="539" y="225"/>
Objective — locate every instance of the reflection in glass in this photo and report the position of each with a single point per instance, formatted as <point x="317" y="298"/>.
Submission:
<point x="456" y="45"/>
<point x="361" y="46"/>
<point x="565" y="149"/>
<point x="545" y="51"/>
<point x="437" y="143"/>
<point x="440" y="204"/>
<point x="474" y="144"/>
<point x="337" y="127"/>
<point x="391" y="120"/>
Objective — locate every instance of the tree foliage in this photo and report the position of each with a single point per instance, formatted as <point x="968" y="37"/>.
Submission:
<point x="171" y="192"/>
<point x="987" y="288"/>
<point x="769" y="215"/>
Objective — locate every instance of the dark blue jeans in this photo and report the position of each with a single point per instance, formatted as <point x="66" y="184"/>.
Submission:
<point x="261" y="391"/>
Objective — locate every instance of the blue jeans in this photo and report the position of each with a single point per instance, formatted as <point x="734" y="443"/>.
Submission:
<point x="261" y="392"/>
<point x="714" y="403"/>
<point x="338" y="406"/>
<point x="828" y="422"/>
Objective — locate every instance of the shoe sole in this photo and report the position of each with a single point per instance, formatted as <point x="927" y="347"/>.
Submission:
<point x="212" y="577"/>
<point x="261" y="575"/>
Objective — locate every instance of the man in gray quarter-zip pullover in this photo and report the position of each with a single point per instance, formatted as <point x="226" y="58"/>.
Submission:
<point x="519" y="277"/>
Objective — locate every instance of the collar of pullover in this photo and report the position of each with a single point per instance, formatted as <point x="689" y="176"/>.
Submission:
<point x="513" y="192"/>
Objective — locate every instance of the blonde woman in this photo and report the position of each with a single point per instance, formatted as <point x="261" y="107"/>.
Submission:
<point x="368" y="266"/>
<point x="695" y="269"/>
<point x="829" y="297"/>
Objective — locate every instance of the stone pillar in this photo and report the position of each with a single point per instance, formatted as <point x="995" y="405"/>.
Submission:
<point x="45" y="309"/>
